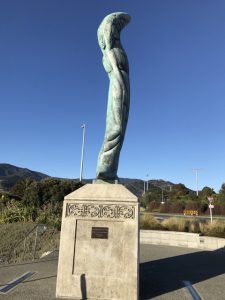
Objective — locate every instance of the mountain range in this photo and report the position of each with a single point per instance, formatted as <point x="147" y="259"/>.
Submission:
<point x="10" y="174"/>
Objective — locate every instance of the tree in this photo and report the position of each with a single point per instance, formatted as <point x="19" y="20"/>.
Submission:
<point x="152" y="195"/>
<point x="203" y="207"/>
<point x="33" y="195"/>
<point x="206" y="192"/>
<point x="179" y="190"/>
<point x="192" y="205"/>
<point x="222" y="189"/>
<point x="177" y="207"/>
<point x="153" y="205"/>
<point x="165" y="208"/>
<point x="20" y="187"/>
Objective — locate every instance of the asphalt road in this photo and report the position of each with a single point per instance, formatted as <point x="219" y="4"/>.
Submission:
<point x="167" y="216"/>
<point x="163" y="270"/>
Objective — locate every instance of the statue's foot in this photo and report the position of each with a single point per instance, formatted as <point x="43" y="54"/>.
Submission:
<point x="101" y="179"/>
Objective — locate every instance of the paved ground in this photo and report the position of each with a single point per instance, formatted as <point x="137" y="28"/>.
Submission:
<point x="162" y="272"/>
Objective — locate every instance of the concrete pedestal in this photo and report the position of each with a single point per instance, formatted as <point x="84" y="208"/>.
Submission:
<point x="99" y="244"/>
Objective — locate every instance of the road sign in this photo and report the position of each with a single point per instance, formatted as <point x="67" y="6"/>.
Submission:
<point x="210" y="199"/>
<point x="211" y="206"/>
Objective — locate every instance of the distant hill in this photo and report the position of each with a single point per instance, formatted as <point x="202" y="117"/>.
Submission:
<point x="10" y="174"/>
<point x="136" y="186"/>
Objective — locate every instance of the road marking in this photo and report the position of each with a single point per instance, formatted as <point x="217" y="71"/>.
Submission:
<point x="12" y="284"/>
<point x="192" y="290"/>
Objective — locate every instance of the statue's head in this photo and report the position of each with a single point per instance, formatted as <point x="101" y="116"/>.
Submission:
<point x="120" y="20"/>
<point x="110" y="27"/>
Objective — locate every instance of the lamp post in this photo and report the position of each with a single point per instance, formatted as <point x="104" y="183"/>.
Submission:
<point x="147" y="182"/>
<point x="144" y="187"/>
<point x="162" y="202"/>
<point x="196" y="179"/>
<point x="82" y="152"/>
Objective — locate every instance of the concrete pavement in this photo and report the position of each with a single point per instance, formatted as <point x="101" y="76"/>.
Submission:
<point x="163" y="270"/>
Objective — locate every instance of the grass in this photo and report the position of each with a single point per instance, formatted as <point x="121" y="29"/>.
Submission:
<point x="216" y="228"/>
<point x="175" y="224"/>
<point x="149" y="222"/>
<point x="13" y="247"/>
<point x="11" y="234"/>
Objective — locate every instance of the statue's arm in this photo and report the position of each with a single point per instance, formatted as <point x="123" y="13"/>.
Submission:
<point x="118" y="91"/>
<point x="115" y="72"/>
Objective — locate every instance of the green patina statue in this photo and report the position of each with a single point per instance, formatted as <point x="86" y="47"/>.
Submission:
<point x="116" y="65"/>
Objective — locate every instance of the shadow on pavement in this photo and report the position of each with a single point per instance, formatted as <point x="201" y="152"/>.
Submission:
<point x="41" y="278"/>
<point x="165" y="275"/>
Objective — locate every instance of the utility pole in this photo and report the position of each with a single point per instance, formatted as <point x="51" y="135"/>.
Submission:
<point x="196" y="179"/>
<point x="82" y="153"/>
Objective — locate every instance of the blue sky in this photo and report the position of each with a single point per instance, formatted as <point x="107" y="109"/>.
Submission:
<point x="52" y="81"/>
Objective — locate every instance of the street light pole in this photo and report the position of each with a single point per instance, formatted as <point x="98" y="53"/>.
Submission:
<point x="147" y="181"/>
<point x="162" y="197"/>
<point x="144" y="187"/>
<point x="196" y="179"/>
<point x="82" y="152"/>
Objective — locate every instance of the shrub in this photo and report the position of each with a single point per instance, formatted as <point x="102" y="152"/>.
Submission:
<point x="177" y="207"/>
<point x="14" y="248"/>
<point x="192" y="205"/>
<point x="222" y="209"/>
<point x="153" y="205"/>
<point x="203" y="207"/>
<point x="165" y="208"/>
<point x="216" y="228"/>
<point x="149" y="222"/>
<point x="16" y="212"/>
<point x="175" y="224"/>
<point x="194" y="226"/>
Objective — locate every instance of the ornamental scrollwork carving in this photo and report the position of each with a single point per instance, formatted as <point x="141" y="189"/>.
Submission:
<point x="125" y="212"/>
<point x="110" y="211"/>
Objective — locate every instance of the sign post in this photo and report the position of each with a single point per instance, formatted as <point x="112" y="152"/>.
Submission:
<point x="210" y="206"/>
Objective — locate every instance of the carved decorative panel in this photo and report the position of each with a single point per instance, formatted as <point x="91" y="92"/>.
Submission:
<point x="111" y="211"/>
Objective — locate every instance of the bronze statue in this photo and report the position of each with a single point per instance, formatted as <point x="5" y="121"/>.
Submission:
<point x="116" y="65"/>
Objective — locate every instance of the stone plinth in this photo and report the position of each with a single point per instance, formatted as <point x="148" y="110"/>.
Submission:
<point x="99" y="244"/>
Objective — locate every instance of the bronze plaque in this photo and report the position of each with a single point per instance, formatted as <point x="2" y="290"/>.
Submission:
<point x="99" y="232"/>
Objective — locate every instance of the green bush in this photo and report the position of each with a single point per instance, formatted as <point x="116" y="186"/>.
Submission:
<point x="16" y="212"/>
